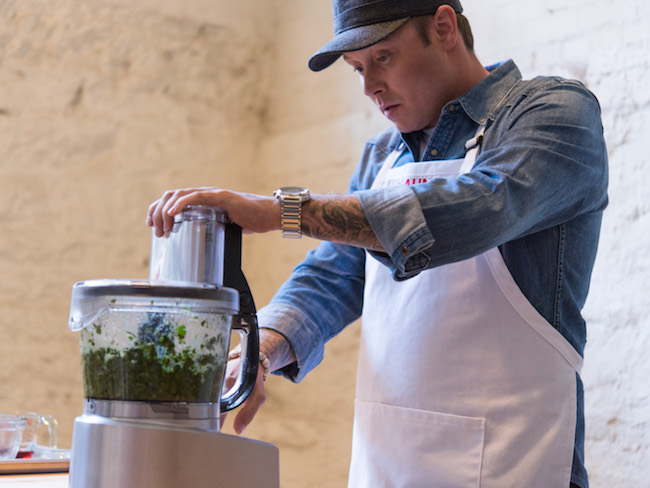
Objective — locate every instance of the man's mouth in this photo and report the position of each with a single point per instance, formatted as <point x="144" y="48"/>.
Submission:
<point x="388" y="110"/>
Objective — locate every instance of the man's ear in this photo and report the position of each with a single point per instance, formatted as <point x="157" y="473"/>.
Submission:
<point x="444" y="27"/>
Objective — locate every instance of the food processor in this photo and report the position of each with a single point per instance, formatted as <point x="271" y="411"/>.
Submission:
<point x="154" y="355"/>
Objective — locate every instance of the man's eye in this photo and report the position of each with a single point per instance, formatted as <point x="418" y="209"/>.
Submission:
<point x="382" y="59"/>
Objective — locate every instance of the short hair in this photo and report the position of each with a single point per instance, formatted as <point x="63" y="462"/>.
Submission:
<point x="422" y="27"/>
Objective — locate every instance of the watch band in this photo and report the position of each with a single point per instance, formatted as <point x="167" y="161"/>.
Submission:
<point x="291" y="199"/>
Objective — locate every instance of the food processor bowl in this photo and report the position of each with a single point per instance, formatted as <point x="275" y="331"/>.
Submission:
<point x="159" y="343"/>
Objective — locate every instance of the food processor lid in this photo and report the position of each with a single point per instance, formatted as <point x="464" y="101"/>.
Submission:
<point x="90" y="298"/>
<point x="194" y="249"/>
<point x="200" y="212"/>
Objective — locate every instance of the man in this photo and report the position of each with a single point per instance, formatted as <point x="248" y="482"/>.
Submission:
<point x="466" y="243"/>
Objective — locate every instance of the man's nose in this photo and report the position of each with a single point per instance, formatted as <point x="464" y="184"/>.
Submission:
<point x="373" y="85"/>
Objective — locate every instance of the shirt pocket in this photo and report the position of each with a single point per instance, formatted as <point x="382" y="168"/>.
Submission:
<point x="396" y="447"/>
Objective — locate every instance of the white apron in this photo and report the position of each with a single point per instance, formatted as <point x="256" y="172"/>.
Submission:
<point x="461" y="382"/>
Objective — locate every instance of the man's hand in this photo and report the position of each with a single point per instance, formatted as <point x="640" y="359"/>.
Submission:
<point x="253" y="403"/>
<point x="253" y="213"/>
<point x="280" y="354"/>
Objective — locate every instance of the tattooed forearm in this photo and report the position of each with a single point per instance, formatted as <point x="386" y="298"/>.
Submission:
<point x="276" y="348"/>
<point x="339" y="219"/>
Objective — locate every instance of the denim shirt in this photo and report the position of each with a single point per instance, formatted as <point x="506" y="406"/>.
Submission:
<point x="537" y="191"/>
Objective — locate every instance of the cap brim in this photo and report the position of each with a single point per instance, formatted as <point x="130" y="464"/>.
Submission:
<point x="352" y="40"/>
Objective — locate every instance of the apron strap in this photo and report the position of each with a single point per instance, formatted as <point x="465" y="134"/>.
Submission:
<point x="388" y="164"/>
<point x="472" y="147"/>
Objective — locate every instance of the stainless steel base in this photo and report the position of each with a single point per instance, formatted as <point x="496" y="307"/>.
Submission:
<point x="111" y="453"/>
<point x="203" y="416"/>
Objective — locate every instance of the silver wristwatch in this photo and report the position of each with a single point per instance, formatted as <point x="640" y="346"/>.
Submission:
<point x="291" y="199"/>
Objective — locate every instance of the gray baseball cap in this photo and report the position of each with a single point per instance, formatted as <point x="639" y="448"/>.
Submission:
<point x="362" y="23"/>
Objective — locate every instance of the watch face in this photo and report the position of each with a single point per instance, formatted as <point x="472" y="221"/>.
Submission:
<point x="294" y="190"/>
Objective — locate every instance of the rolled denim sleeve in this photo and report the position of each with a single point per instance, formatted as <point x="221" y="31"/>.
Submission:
<point x="396" y="217"/>
<point x="300" y="331"/>
<point x="543" y="163"/>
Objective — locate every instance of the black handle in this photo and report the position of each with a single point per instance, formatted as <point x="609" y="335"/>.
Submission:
<point x="233" y="276"/>
<point x="246" y="321"/>
<point x="249" y="362"/>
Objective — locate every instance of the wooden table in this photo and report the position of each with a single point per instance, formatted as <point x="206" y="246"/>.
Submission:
<point x="34" y="481"/>
<point x="32" y="473"/>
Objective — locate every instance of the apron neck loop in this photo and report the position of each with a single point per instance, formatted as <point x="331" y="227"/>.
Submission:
<point x="472" y="147"/>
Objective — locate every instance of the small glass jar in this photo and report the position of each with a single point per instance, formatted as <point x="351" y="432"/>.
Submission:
<point x="11" y="435"/>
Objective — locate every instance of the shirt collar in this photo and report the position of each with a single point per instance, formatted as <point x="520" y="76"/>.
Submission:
<point x="482" y="100"/>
